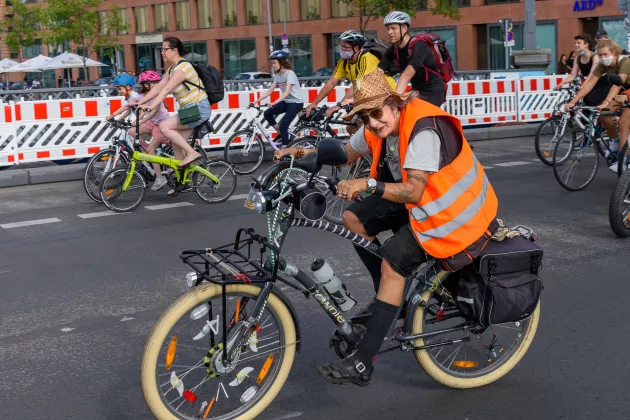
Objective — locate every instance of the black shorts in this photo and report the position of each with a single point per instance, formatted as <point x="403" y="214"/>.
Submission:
<point x="402" y="251"/>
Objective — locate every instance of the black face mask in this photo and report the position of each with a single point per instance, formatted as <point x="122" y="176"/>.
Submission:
<point x="570" y="62"/>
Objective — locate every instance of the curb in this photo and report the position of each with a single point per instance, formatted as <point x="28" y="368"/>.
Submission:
<point x="74" y="172"/>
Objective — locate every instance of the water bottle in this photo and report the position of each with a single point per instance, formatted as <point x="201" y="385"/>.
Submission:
<point x="325" y="276"/>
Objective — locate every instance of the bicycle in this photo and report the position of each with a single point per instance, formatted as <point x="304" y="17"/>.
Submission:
<point x="576" y="146"/>
<point x="246" y="331"/>
<point x="121" y="150"/>
<point x="124" y="180"/>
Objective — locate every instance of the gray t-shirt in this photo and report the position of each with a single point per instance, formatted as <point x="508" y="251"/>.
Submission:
<point x="289" y="76"/>
<point x="423" y="153"/>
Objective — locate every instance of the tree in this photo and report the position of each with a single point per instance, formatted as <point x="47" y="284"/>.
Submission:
<point x="77" y="22"/>
<point x="22" y="27"/>
<point x="373" y="9"/>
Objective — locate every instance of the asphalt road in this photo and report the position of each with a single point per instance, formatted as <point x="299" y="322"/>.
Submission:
<point x="79" y="295"/>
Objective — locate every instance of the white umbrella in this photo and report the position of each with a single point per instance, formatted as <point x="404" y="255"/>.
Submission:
<point x="6" y="64"/>
<point x="69" y="61"/>
<point x="34" y="64"/>
<point x="194" y="57"/>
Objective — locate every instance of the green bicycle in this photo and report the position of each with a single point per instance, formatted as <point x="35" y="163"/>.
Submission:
<point x="123" y="188"/>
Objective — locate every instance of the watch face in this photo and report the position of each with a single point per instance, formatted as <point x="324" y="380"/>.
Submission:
<point x="371" y="183"/>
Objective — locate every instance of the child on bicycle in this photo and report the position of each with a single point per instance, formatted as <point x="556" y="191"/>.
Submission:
<point x="149" y="122"/>
<point x="290" y="102"/>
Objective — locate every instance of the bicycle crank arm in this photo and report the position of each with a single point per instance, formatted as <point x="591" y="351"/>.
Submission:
<point x="446" y="343"/>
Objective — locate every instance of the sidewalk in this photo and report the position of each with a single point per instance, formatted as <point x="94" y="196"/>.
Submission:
<point x="29" y="174"/>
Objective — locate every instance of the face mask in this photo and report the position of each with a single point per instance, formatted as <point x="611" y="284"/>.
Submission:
<point x="346" y="55"/>
<point x="582" y="52"/>
<point x="607" y="61"/>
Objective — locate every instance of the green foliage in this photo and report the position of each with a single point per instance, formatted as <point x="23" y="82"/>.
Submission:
<point x="22" y="27"/>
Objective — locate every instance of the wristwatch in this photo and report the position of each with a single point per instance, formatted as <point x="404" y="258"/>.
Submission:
<point x="339" y="104"/>
<point x="371" y="186"/>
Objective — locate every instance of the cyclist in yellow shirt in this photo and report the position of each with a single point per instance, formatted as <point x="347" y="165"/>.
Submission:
<point x="354" y="64"/>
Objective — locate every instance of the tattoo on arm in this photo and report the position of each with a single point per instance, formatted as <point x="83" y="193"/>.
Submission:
<point x="418" y="177"/>
<point x="403" y="192"/>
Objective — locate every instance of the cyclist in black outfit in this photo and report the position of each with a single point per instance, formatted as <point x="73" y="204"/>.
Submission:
<point x="421" y="69"/>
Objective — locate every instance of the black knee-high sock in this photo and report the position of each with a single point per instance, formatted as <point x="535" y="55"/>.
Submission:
<point x="372" y="263"/>
<point x="383" y="315"/>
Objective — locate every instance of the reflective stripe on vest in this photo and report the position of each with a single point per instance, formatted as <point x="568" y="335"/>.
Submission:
<point x="421" y="214"/>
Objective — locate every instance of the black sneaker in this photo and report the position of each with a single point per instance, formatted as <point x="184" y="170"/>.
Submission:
<point x="349" y="371"/>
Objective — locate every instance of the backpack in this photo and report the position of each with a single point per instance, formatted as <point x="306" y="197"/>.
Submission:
<point x="442" y="57"/>
<point x="377" y="47"/>
<point x="211" y="80"/>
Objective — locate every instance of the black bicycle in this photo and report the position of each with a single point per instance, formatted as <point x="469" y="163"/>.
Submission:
<point x="224" y="349"/>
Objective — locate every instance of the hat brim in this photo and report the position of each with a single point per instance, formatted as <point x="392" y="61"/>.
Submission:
<point x="374" y="104"/>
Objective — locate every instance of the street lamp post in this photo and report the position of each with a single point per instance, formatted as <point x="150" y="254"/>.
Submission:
<point x="269" y="26"/>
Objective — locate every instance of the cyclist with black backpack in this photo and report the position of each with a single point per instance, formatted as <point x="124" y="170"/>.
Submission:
<point x="422" y="60"/>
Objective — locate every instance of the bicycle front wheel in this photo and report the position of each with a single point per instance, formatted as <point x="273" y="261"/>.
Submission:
<point x="489" y="354"/>
<point x="335" y="206"/>
<point x="116" y="196"/>
<point x="185" y="373"/>
<point x="99" y="164"/>
<point x="210" y="190"/>
<point x="619" y="207"/>
<point x="547" y="136"/>
<point x="575" y="160"/>
<point x="244" y="151"/>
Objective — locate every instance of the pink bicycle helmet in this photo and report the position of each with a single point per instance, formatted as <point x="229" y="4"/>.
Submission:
<point x="149" y="76"/>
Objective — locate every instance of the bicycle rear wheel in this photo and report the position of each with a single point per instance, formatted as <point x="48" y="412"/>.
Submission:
<point x="209" y="190"/>
<point x="575" y="160"/>
<point x="115" y="196"/>
<point x="619" y="207"/>
<point x="489" y="355"/>
<point x="335" y="206"/>
<point x="244" y="151"/>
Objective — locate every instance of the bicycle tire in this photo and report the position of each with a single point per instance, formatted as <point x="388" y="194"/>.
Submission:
<point x="617" y="217"/>
<point x="259" y="145"/>
<point x="178" y="310"/>
<point x="111" y="197"/>
<point x="576" y="138"/>
<point x="442" y="376"/>
<point x="198" y="179"/>
<point x="358" y="169"/>
<point x="621" y="160"/>
<point x="89" y="179"/>
<point x="545" y="156"/>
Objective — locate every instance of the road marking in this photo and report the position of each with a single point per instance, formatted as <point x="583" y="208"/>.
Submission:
<point x="238" y="197"/>
<point x="516" y="163"/>
<point x="66" y="329"/>
<point x="126" y="318"/>
<point x="29" y="223"/>
<point x="99" y="214"/>
<point x="168" y="206"/>
<point x="487" y="167"/>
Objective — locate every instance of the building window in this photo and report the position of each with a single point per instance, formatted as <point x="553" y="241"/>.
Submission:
<point x="491" y="2"/>
<point x="124" y="20"/>
<point x="228" y="11"/>
<point x="196" y="52"/>
<point x="545" y="39"/>
<point x="301" y="54"/>
<point x="254" y="12"/>
<point x="32" y="51"/>
<point x="142" y="21"/>
<point x="341" y="9"/>
<point x="310" y="9"/>
<point x="239" y="56"/>
<point x="205" y="13"/>
<point x="161" y="17"/>
<point x="182" y="14"/>
<point x="461" y="3"/>
<point x="281" y="11"/>
<point x="146" y="57"/>
<point x="616" y="31"/>
<point x="102" y="18"/>
<point x="449" y="36"/>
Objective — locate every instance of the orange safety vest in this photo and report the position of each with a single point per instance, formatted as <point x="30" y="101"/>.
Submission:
<point x="458" y="203"/>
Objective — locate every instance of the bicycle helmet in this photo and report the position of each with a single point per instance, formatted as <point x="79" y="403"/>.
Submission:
<point x="279" y="55"/>
<point x="396" y="17"/>
<point x="353" y="38"/>
<point x="149" y="76"/>
<point x="124" y="80"/>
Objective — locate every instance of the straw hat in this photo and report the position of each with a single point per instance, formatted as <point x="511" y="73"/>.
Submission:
<point x="370" y="92"/>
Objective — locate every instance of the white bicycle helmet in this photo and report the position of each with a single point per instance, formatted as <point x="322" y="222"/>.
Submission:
<point x="396" y="17"/>
<point x="353" y="38"/>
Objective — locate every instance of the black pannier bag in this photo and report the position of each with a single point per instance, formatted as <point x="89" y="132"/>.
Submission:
<point x="502" y="284"/>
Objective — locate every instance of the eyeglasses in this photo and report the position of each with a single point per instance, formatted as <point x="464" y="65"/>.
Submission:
<point x="169" y="48"/>
<point x="365" y="116"/>
<point x="346" y="48"/>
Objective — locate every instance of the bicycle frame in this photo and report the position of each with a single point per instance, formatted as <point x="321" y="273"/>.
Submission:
<point x="169" y="162"/>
